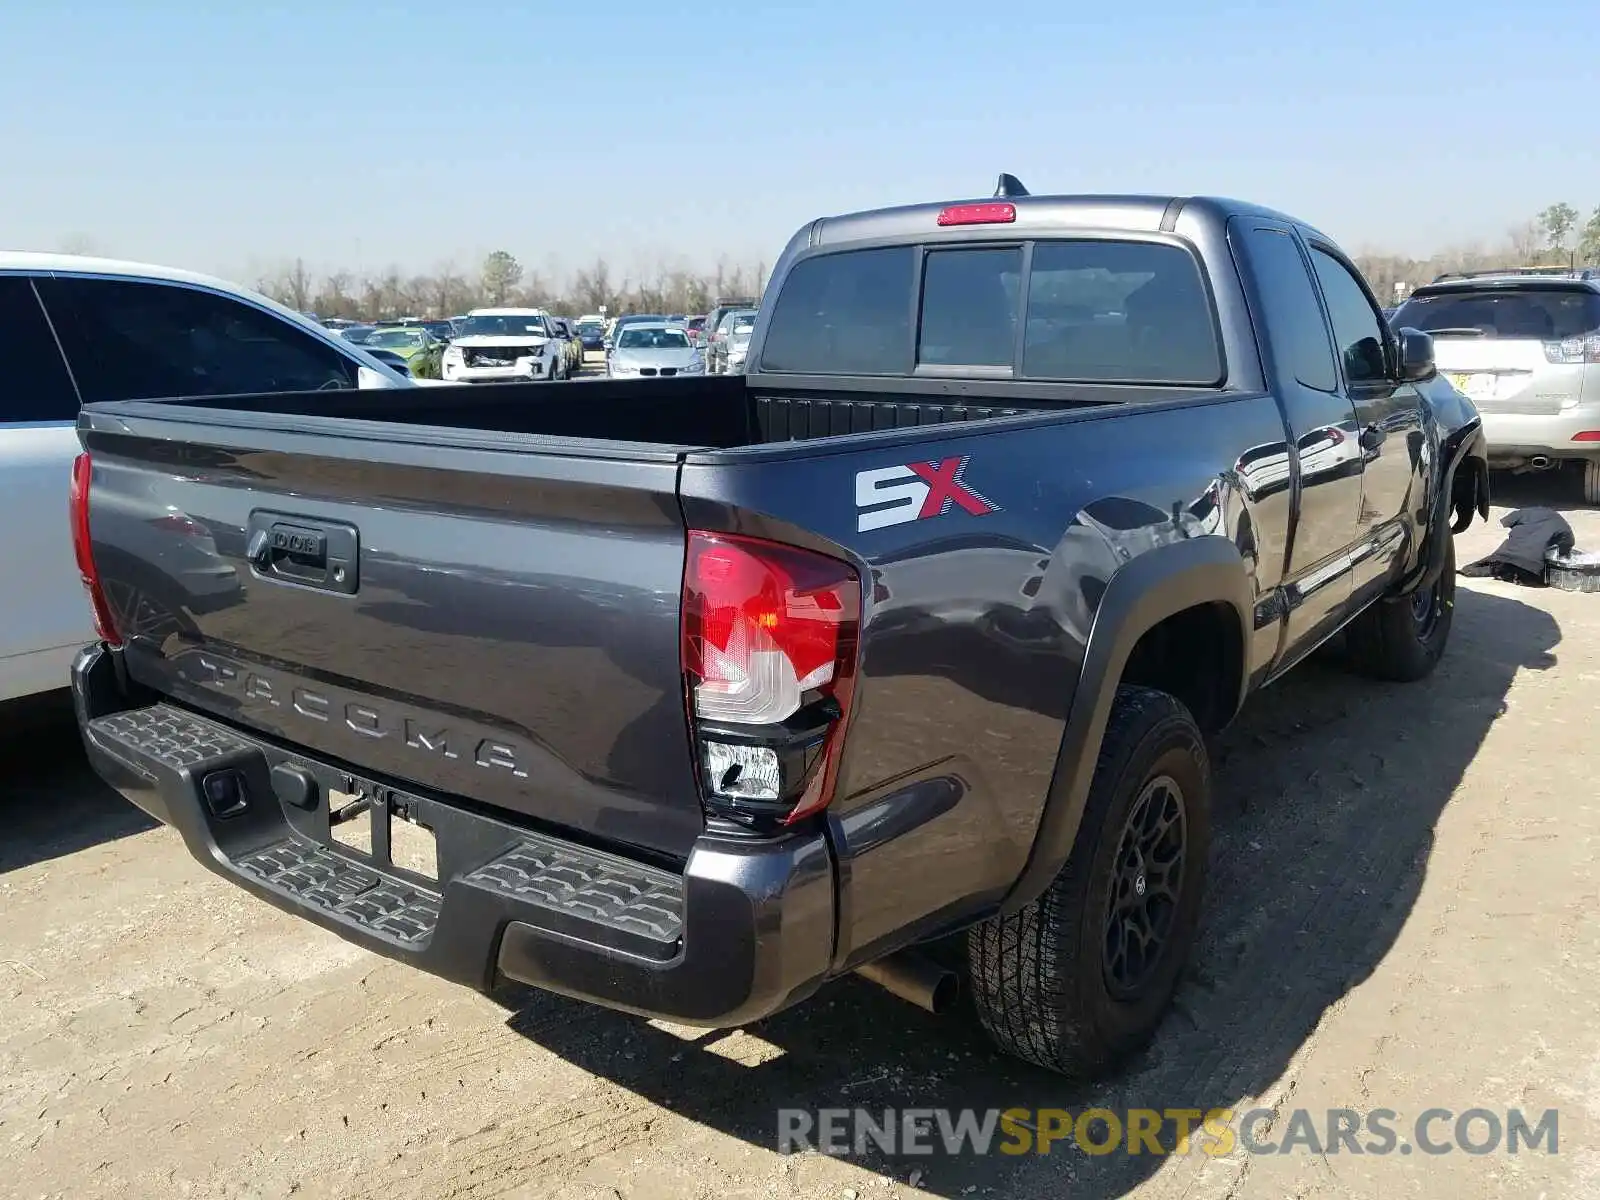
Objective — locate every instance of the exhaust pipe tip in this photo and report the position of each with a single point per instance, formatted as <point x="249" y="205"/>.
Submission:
<point x="1541" y="462"/>
<point x="915" y="978"/>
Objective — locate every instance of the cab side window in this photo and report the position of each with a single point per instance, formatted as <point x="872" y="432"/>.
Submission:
<point x="133" y="340"/>
<point x="38" y="388"/>
<point x="1357" y="331"/>
<point x="1299" y="335"/>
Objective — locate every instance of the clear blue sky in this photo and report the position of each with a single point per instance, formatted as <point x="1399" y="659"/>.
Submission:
<point x="229" y="137"/>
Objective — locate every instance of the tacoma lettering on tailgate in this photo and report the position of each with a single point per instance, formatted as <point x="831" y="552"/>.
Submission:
<point x="259" y="688"/>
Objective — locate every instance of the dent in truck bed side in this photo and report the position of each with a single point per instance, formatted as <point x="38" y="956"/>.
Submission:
<point x="1158" y="584"/>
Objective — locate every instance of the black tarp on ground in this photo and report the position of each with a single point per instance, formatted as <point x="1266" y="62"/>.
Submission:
<point x="1520" y="558"/>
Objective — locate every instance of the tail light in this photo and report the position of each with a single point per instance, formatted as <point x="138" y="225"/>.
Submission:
<point x="769" y="656"/>
<point x="1574" y="350"/>
<point x="78" y="504"/>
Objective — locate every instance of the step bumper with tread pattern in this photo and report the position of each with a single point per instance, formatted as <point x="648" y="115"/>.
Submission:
<point x="745" y="929"/>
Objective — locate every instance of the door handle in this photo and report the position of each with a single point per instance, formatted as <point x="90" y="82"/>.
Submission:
<point x="306" y="547"/>
<point x="304" y="550"/>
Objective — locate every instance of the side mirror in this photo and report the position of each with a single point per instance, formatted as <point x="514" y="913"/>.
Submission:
<point x="1416" y="356"/>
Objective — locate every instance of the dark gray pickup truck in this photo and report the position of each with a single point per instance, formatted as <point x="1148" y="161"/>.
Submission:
<point x="685" y="696"/>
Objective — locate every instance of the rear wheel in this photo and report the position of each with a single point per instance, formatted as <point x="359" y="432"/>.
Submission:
<point x="1591" y="481"/>
<point x="1402" y="639"/>
<point x="1082" y="977"/>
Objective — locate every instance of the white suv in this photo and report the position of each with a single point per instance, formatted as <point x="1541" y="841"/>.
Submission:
<point x="77" y="330"/>
<point x="504" y="345"/>
<point x="1525" y="347"/>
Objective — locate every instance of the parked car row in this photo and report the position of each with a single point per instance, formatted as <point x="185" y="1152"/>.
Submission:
<point x="454" y="349"/>
<point x="484" y="345"/>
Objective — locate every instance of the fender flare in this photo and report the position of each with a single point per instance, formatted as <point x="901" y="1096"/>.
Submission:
<point x="1152" y="587"/>
<point x="1451" y="514"/>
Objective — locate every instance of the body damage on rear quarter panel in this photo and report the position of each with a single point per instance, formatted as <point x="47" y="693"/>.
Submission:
<point x="980" y="598"/>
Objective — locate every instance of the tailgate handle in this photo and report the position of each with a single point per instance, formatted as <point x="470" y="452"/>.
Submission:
<point x="304" y="550"/>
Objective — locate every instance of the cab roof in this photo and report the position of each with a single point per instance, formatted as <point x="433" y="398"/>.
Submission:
<point x="1035" y="215"/>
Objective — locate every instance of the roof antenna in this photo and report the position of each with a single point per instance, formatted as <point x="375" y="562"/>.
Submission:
<point x="1010" y="185"/>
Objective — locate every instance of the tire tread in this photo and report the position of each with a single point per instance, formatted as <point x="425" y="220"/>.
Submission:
<point x="1383" y="643"/>
<point x="1022" y="972"/>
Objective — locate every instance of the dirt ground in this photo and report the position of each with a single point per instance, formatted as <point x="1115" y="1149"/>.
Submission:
<point x="1401" y="915"/>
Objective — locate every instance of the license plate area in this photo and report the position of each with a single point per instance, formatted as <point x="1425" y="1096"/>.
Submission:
<point x="1476" y="385"/>
<point x="383" y="827"/>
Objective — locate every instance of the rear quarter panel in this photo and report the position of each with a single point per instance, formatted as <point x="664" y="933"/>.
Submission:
<point x="975" y="625"/>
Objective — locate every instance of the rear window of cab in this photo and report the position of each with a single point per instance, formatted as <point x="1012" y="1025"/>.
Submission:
<point x="1088" y="311"/>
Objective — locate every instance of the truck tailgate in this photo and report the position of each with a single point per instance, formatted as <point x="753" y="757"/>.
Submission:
<point x="500" y="625"/>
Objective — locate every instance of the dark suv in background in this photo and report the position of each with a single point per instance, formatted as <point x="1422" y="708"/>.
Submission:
<point x="592" y="334"/>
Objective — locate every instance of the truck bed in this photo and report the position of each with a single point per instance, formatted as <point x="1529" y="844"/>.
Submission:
<point x="506" y="629"/>
<point x="717" y="412"/>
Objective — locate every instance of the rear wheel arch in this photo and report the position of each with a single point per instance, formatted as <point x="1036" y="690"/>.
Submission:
<point x="1199" y="587"/>
<point x="1196" y="655"/>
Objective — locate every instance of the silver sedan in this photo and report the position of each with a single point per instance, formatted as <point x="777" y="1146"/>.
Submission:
<point x="653" y="351"/>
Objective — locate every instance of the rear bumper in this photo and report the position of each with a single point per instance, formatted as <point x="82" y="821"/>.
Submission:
<point x="1516" y="437"/>
<point x="745" y="930"/>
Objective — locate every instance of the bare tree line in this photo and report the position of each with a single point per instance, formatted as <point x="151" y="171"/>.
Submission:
<point x="502" y="280"/>
<point x="1552" y="238"/>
